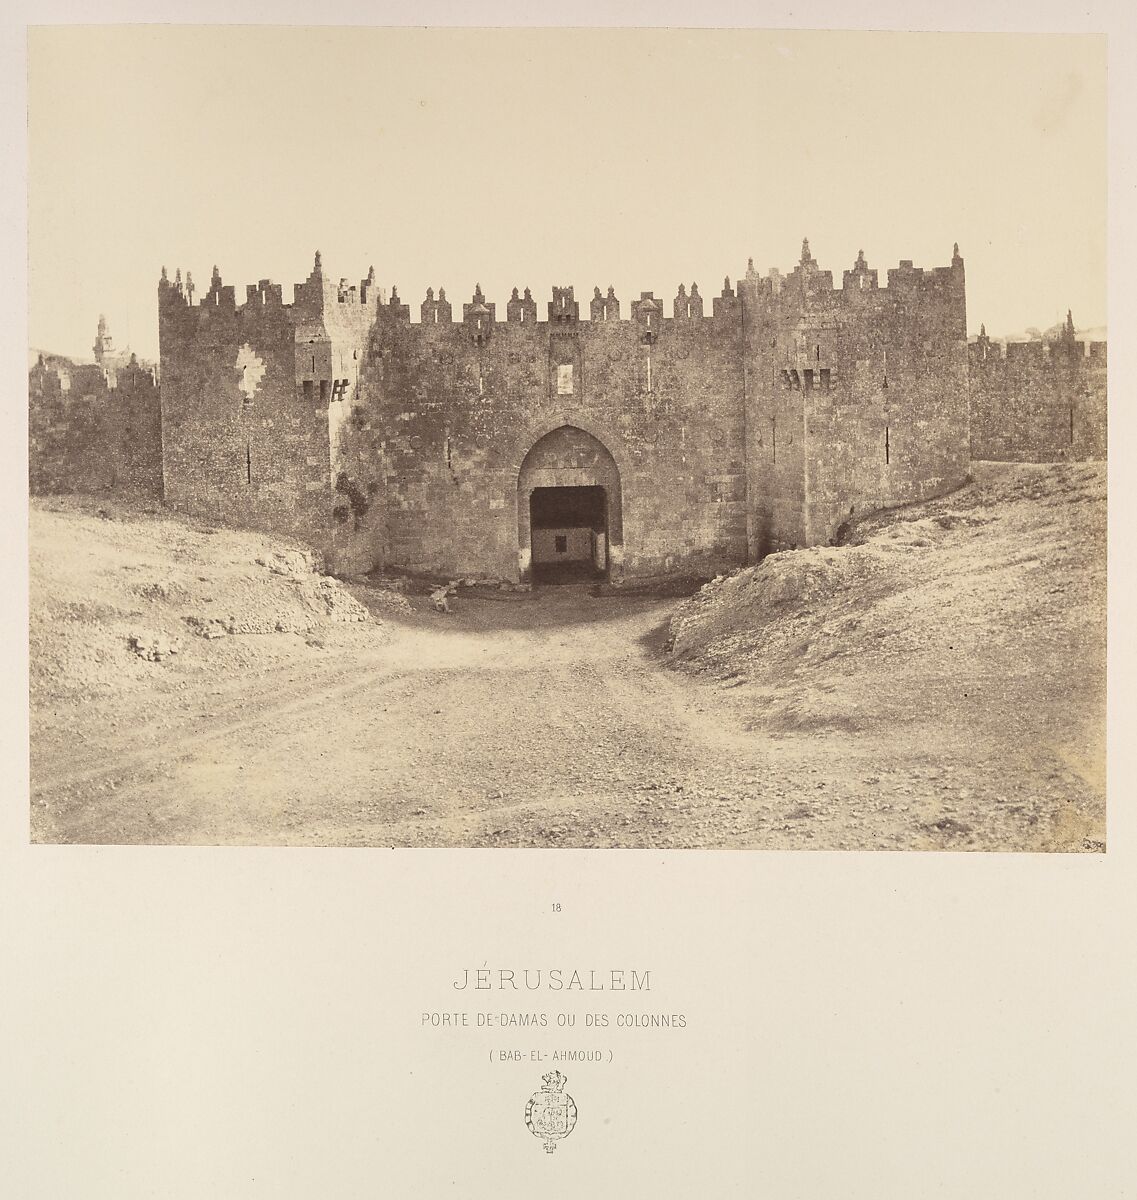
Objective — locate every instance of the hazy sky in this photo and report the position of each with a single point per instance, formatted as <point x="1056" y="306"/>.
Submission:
<point x="533" y="157"/>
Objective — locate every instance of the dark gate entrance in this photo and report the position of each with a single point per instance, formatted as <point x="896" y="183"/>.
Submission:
<point x="569" y="509"/>
<point x="568" y="530"/>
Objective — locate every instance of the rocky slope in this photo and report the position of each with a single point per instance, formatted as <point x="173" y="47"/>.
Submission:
<point x="124" y="596"/>
<point x="976" y="621"/>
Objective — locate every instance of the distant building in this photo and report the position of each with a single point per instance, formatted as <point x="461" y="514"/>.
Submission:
<point x="106" y="356"/>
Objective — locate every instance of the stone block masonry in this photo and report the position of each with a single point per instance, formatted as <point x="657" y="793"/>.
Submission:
<point x="93" y="428"/>
<point x="698" y="436"/>
<point x="717" y="436"/>
<point x="856" y="395"/>
<point x="1041" y="401"/>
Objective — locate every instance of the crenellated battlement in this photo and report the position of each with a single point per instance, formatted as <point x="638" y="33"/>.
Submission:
<point x="686" y="307"/>
<point x="437" y="311"/>
<point x="522" y="310"/>
<point x="316" y="294"/>
<point x="265" y="293"/>
<point x="321" y="296"/>
<point x="95" y="426"/>
<point x="717" y="432"/>
<point x="394" y="432"/>
<point x="807" y="283"/>
<point x="479" y="317"/>
<point x="861" y="278"/>
<point x="1059" y="350"/>
<point x="1038" y="401"/>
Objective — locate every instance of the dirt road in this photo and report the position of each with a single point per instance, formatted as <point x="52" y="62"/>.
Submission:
<point x="548" y="719"/>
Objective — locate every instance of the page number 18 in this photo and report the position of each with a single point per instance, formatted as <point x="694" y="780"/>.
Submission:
<point x="556" y="906"/>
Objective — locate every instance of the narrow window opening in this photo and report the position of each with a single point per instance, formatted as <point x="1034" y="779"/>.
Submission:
<point x="817" y="349"/>
<point x="825" y="376"/>
<point x="307" y="385"/>
<point x="649" y="365"/>
<point x="561" y="541"/>
<point x="774" y="437"/>
<point x="323" y="391"/>
<point x="434" y="314"/>
<point x="248" y="463"/>
<point x="887" y="445"/>
<point x="808" y="380"/>
<point x="1071" y="424"/>
<point x="521" y="316"/>
<point x="313" y="364"/>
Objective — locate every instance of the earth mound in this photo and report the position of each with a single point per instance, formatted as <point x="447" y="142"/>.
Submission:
<point x="122" y="595"/>
<point x="975" y="621"/>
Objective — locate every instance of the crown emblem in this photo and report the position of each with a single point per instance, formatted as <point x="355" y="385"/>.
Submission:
<point x="551" y="1113"/>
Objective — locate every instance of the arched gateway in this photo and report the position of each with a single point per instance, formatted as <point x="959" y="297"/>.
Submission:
<point x="569" y="519"/>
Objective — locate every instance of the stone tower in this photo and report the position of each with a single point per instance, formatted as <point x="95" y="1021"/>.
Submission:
<point x="104" y="343"/>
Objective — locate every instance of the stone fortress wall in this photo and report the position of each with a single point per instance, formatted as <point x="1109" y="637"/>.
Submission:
<point x="94" y="426"/>
<point x="1038" y="401"/>
<point x="713" y="436"/>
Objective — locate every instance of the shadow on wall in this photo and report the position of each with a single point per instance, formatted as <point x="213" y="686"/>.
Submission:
<point x="569" y="534"/>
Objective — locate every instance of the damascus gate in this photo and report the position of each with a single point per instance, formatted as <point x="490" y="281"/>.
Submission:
<point x="579" y="438"/>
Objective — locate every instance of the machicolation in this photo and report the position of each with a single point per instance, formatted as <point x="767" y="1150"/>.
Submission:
<point x="670" y="440"/>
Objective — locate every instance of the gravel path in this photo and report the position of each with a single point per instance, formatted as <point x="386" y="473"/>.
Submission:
<point x="549" y="719"/>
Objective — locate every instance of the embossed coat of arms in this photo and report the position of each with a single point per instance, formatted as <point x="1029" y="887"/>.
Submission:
<point x="551" y="1112"/>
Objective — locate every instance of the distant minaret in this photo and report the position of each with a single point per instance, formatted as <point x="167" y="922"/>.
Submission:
<point x="104" y="343"/>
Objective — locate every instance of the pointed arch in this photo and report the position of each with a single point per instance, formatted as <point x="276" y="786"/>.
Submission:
<point x="606" y="435"/>
<point x="563" y="463"/>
